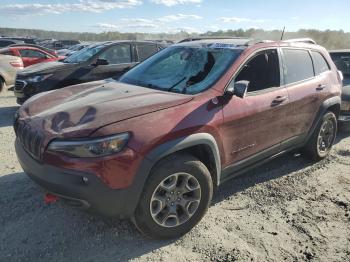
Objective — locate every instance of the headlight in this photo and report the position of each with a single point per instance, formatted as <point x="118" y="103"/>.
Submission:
<point x="91" y="148"/>
<point x="345" y="106"/>
<point x="38" y="78"/>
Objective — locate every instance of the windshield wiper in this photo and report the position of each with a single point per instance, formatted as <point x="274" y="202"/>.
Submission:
<point x="176" y="84"/>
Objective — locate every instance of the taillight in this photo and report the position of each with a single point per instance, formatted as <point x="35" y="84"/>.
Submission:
<point x="17" y="64"/>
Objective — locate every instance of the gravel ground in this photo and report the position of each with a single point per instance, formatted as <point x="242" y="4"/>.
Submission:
<point x="290" y="209"/>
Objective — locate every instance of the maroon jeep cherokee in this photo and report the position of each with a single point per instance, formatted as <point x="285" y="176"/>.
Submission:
<point x="153" y="146"/>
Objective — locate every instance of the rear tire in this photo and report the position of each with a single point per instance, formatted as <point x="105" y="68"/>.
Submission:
<point x="322" y="140"/>
<point x="175" y="197"/>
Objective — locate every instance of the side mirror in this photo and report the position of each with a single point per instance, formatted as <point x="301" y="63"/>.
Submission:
<point x="100" y="62"/>
<point x="238" y="89"/>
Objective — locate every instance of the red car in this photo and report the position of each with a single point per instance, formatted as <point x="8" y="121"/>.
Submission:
<point x="155" y="145"/>
<point x="30" y="55"/>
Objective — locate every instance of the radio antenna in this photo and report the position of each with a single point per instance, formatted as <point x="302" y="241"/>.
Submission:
<point x="284" y="28"/>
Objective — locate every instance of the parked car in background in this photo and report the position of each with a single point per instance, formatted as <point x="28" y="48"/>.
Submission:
<point x="48" y="50"/>
<point x="30" y="55"/>
<point x="60" y="44"/>
<point x="8" y="42"/>
<point x="26" y="40"/>
<point x="71" y="50"/>
<point x="156" y="144"/>
<point x="96" y="62"/>
<point x="9" y="65"/>
<point x="341" y="58"/>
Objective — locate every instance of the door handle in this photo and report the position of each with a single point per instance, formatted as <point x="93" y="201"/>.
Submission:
<point x="320" y="87"/>
<point x="278" y="100"/>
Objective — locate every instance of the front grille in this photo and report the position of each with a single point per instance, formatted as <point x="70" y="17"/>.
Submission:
<point x="19" y="85"/>
<point x="31" y="139"/>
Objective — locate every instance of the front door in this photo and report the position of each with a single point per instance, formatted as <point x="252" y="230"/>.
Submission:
<point x="254" y="126"/>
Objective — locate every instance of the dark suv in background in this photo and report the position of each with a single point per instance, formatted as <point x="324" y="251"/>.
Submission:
<point x="341" y="59"/>
<point x="155" y="145"/>
<point x="95" y="62"/>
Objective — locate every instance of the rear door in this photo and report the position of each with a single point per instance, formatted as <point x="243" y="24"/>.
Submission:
<point x="306" y="87"/>
<point x="119" y="60"/>
<point x="254" y="126"/>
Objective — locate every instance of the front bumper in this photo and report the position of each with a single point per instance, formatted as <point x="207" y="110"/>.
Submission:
<point x="81" y="189"/>
<point x="23" y="90"/>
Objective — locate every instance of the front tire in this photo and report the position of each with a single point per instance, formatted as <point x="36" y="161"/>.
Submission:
<point x="175" y="198"/>
<point x="322" y="140"/>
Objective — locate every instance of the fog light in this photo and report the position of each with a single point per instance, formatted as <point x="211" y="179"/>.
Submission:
<point x="85" y="180"/>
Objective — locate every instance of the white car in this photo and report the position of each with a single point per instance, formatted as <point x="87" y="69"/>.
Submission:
<point x="9" y="65"/>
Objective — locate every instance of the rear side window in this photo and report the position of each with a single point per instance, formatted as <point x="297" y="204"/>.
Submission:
<point x="297" y="65"/>
<point x="320" y="64"/>
<point x="117" y="54"/>
<point x="146" y="50"/>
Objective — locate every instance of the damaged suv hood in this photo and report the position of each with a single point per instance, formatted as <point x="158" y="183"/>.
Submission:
<point x="79" y="110"/>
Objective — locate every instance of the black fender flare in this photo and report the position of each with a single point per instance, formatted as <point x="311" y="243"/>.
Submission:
<point x="182" y="143"/>
<point x="328" y="103"/>
<point x="163" y="150"/>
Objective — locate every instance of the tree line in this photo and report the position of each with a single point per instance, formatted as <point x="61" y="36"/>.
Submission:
<point x="330" y="39"/>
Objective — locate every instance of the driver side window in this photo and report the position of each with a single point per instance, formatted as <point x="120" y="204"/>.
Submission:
<point x="262" y="71"/>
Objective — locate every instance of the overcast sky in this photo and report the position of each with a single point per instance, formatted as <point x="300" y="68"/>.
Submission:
<point x="174" y="15"/>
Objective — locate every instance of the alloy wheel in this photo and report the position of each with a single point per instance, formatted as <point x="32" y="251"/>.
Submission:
<point x="326" y="136"/>
<point x="175" y="200"/>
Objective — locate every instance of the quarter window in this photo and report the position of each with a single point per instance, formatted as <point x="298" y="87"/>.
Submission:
<point x="262" y="71"/>
<point x="297" y="65"/>
<point x="117" y="54"/>
<point x="320" y="63"/>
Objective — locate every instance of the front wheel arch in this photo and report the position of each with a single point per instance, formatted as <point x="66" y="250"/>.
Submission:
<point x="201" y="145"/>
